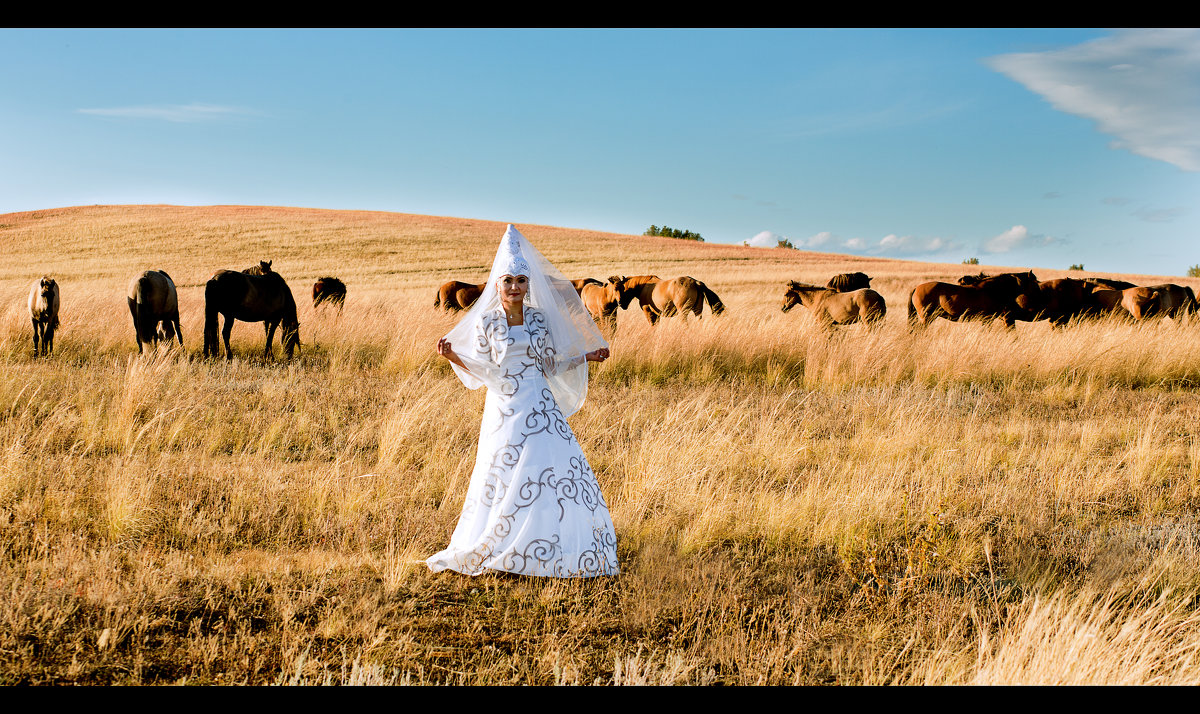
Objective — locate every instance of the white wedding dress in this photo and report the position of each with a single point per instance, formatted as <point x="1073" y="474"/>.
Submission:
<point x="533" y="505"/>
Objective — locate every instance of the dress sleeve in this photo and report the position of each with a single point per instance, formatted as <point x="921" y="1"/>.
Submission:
<point x="482" y="368"/>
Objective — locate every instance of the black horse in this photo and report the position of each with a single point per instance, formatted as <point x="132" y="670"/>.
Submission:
<point x="241" y="296"/>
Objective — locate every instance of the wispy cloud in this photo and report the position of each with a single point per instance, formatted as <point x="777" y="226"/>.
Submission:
<point x="1016" y="238"/>
<point x="891" y="244"/>
<point x="1141" y="87"/>
<point x="178" y="113"/>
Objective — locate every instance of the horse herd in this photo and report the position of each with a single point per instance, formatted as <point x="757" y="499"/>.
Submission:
<point x="256" y="294"/>
<point x="259" y="294"/>
<point x="847" y="298"/>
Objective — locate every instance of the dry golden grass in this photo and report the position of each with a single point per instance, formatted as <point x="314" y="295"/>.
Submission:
<point x="964" y="505"/>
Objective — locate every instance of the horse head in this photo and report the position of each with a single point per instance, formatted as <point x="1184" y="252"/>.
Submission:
<point x="47" y="287"/>
<point x="791" y="296"/>
<point x="290" y="336"/>
<point x="623" y="293"/>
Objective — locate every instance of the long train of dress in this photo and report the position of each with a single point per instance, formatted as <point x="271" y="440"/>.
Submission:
<point x="533" y="505"/>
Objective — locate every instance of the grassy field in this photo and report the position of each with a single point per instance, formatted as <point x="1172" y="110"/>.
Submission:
<point x="966" y="505"/>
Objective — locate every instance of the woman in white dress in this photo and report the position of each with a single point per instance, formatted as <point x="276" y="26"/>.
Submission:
<point x="533" y="505"/>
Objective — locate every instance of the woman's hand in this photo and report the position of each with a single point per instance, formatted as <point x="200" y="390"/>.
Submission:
<point x="597" y="355"/>
<point x="445" y="350"/>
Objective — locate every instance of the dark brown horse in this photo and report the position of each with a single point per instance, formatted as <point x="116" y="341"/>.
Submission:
<point x="152" y="300"/>
<point x="664" y="298"/>
<point x="831" y="307"/>
<point x="249" y="298"/>
<point x="1008" y="297"/>
<point x="43" y="311"/>
<point x="330" y="290"/>
<point x="457" y="295"/>
<point x="846" y="282"/>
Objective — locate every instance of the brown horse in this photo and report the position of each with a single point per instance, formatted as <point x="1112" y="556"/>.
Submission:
<point x="1138" y="303"/>
<point x="1008" y="297"/>
<point x="664" y="298"/>
<point x="457" y="295"/>
<point x="831" y="307"/>
<point x="1094" y="283"/>
<point x="602" y="301"/>
<point x="263" y="267"/>
<point x="152" y="300"/>
<point x="1174" y="301"/>
<point x="330" y="290"/>
<point x="249" y="298"/>
<point x="847" y="282"/>
<point x="43" y="310"/>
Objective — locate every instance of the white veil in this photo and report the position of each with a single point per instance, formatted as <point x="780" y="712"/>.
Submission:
<point x="554" y="303"/>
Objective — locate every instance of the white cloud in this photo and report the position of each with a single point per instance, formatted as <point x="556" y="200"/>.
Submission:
<point x="764" y="239"/>
<point x="1140" y="86"/>
<point x="911" y="245"/>
<point x="179" y="113"/>
<point x="1015" y="238"/>
<point x="819" y="239"/>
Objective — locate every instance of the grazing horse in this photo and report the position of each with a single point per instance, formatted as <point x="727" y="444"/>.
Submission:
<point x="602" y="302"/>
<point x="43" y="309"/>
<point x="1006" y="297"/>
<point x="1094" y="283"/>
<point x="249" y="298"/>
<point x="664" y="298"/>
<point x="847" y="282"/>
<point x="1138" y="303"/>
<point x="831" y="307"/>
<point x="330" y="290"/>
<point x="1059" y="301"/>
<point x="1174" y="301"/>
<point x="457" y="295"/>
<point x="152" y="300"/>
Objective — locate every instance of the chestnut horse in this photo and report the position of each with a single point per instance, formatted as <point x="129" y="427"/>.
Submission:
<point x="831" y="307"/>
<point x="457" y="295"/>
<point x="664" y="298"/>
<point x="43" y="310"/>
<point x="249" y="298"/>
<point x="601" y="301"/>
<point x="153" y="300"/>
<point x="1138" y="303"/>
<point x="1008" y="297"/>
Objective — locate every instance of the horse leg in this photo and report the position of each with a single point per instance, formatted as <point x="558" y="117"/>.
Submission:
<point x="136" y="327"/>
<point x="226" y="331"/>
<point x="178" y="330"/>
<point x="269" y="326"/>
<point x="37" y="350"/>
<point x="48" y="338"/>
<point x="651" y="316"/>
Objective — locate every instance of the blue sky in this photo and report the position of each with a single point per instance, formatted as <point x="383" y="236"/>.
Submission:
<point x="1022" y="147"/>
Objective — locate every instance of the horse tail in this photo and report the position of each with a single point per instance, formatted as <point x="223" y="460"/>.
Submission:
<point x="714" y="302"/>
<point x="912" y="308"/>
<point x="437" y="300"/>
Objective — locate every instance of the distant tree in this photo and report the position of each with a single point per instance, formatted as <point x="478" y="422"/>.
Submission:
<point x="784" y="243"/>
<point x="971" y="261"/>
<point x="668" y="232"/>
<point x="1076" y="266"/>
<point x="1194" y="271"/>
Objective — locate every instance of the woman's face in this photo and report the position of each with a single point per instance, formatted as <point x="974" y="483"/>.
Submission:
<point x="513" y="288"/>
